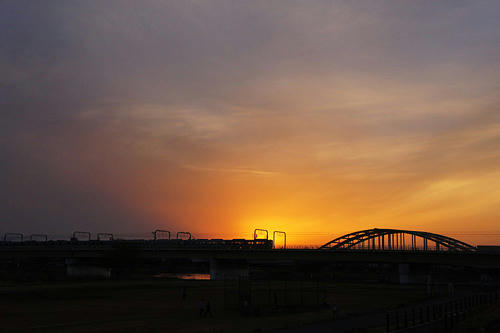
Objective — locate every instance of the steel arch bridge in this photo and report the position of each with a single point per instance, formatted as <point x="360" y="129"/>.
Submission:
<point x="397" y="240"/>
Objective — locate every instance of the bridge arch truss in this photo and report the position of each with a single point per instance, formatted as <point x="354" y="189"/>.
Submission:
<point x="397" y="240"/>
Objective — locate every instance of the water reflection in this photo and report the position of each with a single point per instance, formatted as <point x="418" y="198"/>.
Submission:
<point x="184" y="276"/>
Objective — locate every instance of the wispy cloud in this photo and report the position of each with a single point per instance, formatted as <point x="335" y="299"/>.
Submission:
<point x="338" y="115"/>
<point x="233" y="170"/>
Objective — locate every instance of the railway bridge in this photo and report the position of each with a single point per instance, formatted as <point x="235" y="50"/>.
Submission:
<point x="399" y="240"/>
<point x="407" y="253"/>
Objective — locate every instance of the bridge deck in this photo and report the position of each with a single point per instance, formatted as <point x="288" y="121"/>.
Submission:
<point x="111" y="250"/>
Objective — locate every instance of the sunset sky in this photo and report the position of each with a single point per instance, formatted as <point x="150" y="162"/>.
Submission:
<point x="217" y="117"/>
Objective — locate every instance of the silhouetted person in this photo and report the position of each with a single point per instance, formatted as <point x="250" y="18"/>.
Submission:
<point x="334" y="311"/>
<point x="245" y="307"/>
<point x="208" y="309"/>
<point x="202" y="308"/>
<point x="429" y="285"/>
<point x="451" y="289"/>
<point x="184" y="293"/>
<point x="256" y="311"/>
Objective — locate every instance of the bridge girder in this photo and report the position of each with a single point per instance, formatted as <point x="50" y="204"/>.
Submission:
<point x="396" y="240"/>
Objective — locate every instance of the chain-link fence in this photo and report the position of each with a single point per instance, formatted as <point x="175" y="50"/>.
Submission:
<point x="245" y="294"/>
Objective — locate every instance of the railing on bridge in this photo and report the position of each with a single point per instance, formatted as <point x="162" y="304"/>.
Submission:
<point x="438" y="316"/>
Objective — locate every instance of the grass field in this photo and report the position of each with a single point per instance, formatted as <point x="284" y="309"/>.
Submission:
<point x="158" y="306"/>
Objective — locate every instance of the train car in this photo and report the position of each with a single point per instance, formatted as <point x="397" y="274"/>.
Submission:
<point x="215" y="243"/>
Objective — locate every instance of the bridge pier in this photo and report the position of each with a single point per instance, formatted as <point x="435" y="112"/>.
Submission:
<point x="404" y="273"/>
<point x="80" y="269"/>
<point x="228" y="269"/>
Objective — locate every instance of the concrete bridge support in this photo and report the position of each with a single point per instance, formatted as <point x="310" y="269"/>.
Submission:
<point x="228" y="269"/>
<point x="80" y="269"/>
<point x="404" y="273"/>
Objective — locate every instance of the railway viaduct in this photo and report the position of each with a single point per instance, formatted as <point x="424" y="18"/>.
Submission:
<point x="403" y="250"/>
